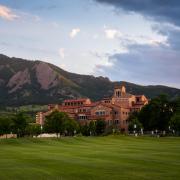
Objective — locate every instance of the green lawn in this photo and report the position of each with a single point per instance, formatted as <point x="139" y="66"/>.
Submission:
<point x="112" y="157"/>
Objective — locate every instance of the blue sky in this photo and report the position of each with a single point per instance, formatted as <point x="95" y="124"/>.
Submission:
<point x="136" y="41"/>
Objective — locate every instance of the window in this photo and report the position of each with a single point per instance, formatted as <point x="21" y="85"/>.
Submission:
<point x="100" y="113"/>
<point x="116" y="121"/>
<point x="81" y="117"/>
<point x="124" y="122"/>
<point x="107" y="101"/>
<point x="97" y="113"/>
<point x="110" y="122"/>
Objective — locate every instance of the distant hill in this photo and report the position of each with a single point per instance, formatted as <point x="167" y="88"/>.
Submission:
<point x="35" y="82"/>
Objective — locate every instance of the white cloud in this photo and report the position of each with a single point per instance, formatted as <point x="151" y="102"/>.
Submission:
<point x="6" y="13"/>
<point x="95" y="36"/>
<point x="103" y="59"/>
<point x="128" y="39"/>
<point x="63" y="66"/>
<point x="29" y="17"/>
<point x="37" y="18"/>
<point x="74" y="32"/>
<point x="112" y="33"/>
<point x="55" y="24"/>
<point x="62" y="53"/>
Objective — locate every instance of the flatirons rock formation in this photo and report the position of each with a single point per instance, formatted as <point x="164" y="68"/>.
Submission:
<point x="36" y="82"/>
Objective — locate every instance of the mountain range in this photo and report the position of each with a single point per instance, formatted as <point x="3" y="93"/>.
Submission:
<point x="25" y="82"/>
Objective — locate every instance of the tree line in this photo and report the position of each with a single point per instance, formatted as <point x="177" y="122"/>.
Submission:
<point x="61" y="124"/>
<point x="18" y="124"/>
<point x="57" y="122"/>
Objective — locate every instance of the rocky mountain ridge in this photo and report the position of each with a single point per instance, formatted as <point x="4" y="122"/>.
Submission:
<point x="37" y="82"/>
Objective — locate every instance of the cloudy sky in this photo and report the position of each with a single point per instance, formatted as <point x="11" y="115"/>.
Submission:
<point x="131" y="40"/>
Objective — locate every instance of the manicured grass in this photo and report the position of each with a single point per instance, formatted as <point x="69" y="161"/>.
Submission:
<point x="112" y="157"/>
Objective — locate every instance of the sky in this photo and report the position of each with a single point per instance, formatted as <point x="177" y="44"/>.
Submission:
<point x="125" y="40"/>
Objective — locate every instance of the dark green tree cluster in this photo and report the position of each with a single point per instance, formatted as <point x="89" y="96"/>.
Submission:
<point x="20" y="124"/>
<point x="61" y="124"/>
<point x="160" y="114"/>
<point x="5" y="126"/>
<point x="175" y="119"/>
<point x="56" y="122"/>
<point x="33" y="129"/>
<point x="94" y="128"/>
<point x="134" y="124"/>
<point x="17" y="124"/>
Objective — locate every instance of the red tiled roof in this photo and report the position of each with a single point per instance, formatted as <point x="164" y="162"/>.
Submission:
<point x="89" y="105"/>
<point x="114" y="106"/>
<point x="79" y="106"/>
<point x="76" y="100"/>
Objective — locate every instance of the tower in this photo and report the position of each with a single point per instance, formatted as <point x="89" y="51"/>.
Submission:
<point x="119" y="91"/>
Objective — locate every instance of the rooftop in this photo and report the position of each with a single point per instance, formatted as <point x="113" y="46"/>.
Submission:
<point x="76" y="100"/>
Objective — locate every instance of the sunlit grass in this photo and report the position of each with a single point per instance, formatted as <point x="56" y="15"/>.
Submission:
<point x="112" y="157"/>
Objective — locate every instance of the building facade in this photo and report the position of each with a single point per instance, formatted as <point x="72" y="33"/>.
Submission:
<point x="114" y="110"/>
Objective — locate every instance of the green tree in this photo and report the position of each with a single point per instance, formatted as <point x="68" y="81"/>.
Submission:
<point x="100" y="127"/>
<point x="20" y="123"/>
<point x="71" y="126"/>
<point x="132" y="116"/>
<point x="5" y="126"/>
<point x="92" y="128"/>
<point x="55" y="122"/>
<point x="175" y="122"/>
<point x="175" y="119"/>
<point x="134" y="124"/>
<point x="176" y="105"/>
<point x="85" y="130"/>
<point x="156" y="114"/>
<point x="33" y="129"/>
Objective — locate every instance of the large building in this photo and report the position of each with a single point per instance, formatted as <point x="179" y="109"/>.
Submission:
<point x="114" y="110"/>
